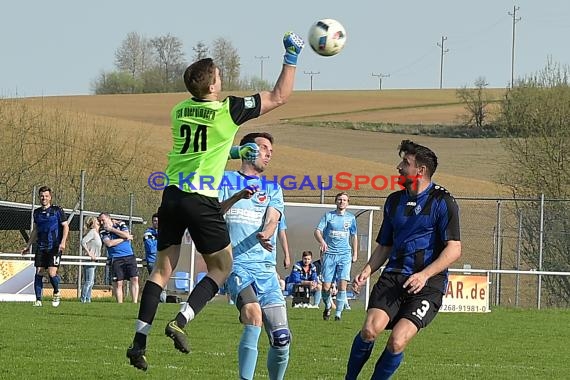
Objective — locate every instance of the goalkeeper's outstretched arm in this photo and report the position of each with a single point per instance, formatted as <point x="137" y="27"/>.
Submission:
<point x="270" y="100"/>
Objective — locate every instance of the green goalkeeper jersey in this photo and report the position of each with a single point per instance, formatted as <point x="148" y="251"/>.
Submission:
<point x="202" y="135"/>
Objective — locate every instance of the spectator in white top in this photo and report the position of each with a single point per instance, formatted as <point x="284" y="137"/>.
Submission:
<point x="91" y="244"/>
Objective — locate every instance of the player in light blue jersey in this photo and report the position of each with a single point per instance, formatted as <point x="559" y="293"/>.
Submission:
<point x="252" y="215"/>
<point x="336" y="235"/>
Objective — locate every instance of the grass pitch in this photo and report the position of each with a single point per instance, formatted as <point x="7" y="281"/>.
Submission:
<point x="88" y="341"/>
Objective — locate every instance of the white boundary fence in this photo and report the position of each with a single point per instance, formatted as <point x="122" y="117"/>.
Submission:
<point x="84" y="260"/>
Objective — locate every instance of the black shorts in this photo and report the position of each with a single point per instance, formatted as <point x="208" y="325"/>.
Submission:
<point x="46" y="258"/>
<point x="125" y="268"/>
<point x="202" y="216"/>
<point x="389" y="295"/>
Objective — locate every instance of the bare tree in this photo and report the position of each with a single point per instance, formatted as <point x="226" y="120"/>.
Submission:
<point x="135" y="54"/>
<point x="255" y="83"/>
<point x="226" y="57"/>
<point x="476" y="103"/>
<point x="170" y="55"/>
<point x="200" y="51"/>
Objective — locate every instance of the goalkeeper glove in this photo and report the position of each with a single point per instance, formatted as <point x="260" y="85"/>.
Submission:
<point x="293" y="45"/>
<point x="248" y="152"/>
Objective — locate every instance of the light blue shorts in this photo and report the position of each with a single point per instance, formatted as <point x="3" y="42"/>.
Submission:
<point x="263" y="280"/>
<point x="336" y="267"/>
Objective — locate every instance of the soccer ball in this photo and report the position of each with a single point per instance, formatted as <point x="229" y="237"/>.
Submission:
<point x="327" y="37"/>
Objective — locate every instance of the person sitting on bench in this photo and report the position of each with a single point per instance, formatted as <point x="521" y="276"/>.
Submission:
<point x="304" y="278"/>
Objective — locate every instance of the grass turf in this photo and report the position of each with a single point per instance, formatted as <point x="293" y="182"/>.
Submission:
<point x="88" y="341"/>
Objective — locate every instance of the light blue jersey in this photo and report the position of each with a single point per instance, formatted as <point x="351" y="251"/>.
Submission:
<point x="247" y="216"/>
<point x="282" y="224"/>
<point x="253" y="265"/>
<point x="337" y="230"/>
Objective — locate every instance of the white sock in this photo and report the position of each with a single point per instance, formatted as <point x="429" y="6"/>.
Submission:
<point x="142" y="327"/>
<point x="187" y="312"/>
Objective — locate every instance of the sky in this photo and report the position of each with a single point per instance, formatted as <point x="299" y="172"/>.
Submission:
<point x="60" y="47"/>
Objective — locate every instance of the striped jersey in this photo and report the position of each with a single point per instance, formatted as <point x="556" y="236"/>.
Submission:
<point x="417" y="228"/>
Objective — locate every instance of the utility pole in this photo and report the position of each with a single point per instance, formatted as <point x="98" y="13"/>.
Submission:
<point x="443" y="51"/>
<point x="380" y="76"/>
<point x="261" y="58"/>
<point x="515" y="20"/>
<point x="311" y="74"/>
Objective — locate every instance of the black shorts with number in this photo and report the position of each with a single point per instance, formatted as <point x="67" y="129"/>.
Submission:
<point x="46" y="258"/>
<point x="202" y="216"/>
<point x="389" y="295"/>
<point x="124" y="268"/>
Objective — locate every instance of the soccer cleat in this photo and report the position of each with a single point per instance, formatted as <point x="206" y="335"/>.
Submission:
<point x="336" y="318"/>
<point x="326" y="314"/>
<point x="37" y="303"/>
<point x="137" y="358"/>
<point x="56" y="300"/>
<point x="174" y="332"/>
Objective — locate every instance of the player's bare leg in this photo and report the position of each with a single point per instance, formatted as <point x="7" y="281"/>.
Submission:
<point x="134" y="282"/>
<point x="119" y="291"/>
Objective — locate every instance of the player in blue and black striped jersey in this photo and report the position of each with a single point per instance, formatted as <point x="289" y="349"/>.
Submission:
<point x="420" y="238"/>
<point x="50" y="235"/>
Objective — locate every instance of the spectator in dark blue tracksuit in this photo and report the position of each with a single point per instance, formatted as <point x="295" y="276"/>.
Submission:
<point x="150" y="239"/>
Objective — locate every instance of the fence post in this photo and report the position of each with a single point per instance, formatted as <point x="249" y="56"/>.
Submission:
<point x="498" y="259"/>
<point x="322" y="192"/>
<point x="81" y="208"/>
<point x="34" y="192"/>
<point x="131" y="207"/>
<point x="540" y="246"/>
<point x="492" y="282"/>
<point x="518" y="259"/>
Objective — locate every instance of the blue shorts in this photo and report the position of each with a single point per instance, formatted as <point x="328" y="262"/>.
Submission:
<point x="263" y="280"/>
<point x="336" y="267"/>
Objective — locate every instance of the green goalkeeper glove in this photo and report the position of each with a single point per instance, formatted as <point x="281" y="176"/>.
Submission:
<point x="248" y="152"/>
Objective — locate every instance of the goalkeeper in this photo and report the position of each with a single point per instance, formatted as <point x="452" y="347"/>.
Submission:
<point x="203" y="129"/>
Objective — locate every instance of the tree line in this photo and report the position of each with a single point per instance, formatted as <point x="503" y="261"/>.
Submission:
<point x="533" y="121"/>
<point x="156" y="65"/>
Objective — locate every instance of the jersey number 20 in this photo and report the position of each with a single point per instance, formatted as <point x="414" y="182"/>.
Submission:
<point x="200" y="138"/>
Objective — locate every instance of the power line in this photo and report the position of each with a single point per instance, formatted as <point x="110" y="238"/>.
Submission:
<point x="311" y="74"/>
<point x="515" y="20"/>
<point x="261" y="58"/>
<point x="380" y="76"/>
<point x="413" y="63"/>
<point x="443" y="51"/>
